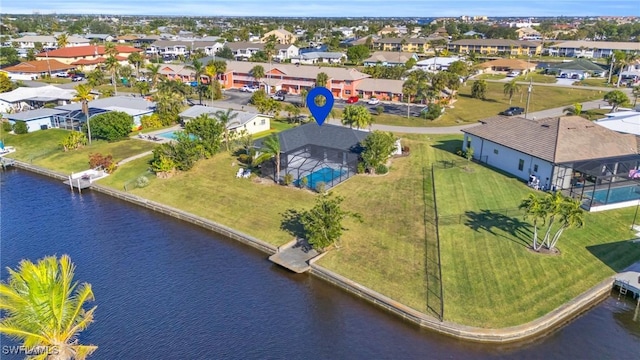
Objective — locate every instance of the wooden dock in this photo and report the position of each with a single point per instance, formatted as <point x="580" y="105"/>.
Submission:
<point x="294" y="256"/>
<point x="628" y="281"/>
<point x="6" y="162"/>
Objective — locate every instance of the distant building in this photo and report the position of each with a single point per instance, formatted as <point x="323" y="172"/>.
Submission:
<point x="282" y="36"/>
<point x="592" y="49"/>
<point x="86" y="56"/>
<point x="389" y="58"/>
<point x="496" y="46"/>
<point x="315" y="57"/>
<point x="32" y="70"/>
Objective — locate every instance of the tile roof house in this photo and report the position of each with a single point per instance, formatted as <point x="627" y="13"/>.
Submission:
<point x="389" y="58"/>
<point x="592" y="49"/>
<point x="48" y="41"/>
<point x="69" y="55"/>
<point x="548" y="149"/>
<point x="37" y="68"/>
<point x="508" y="65"/>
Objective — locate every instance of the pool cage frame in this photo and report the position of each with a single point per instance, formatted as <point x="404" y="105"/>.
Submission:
<point x="310" y="158"/>
<point x="581" y="179"/>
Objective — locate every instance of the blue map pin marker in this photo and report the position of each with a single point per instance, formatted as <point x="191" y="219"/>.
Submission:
<point x="320" y="113"/>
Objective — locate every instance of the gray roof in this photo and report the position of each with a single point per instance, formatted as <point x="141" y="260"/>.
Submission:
<point x="242" y="118"/>
<point x="578" y="64"/>
<point x="121" y="102"/>
<point x="557" y="140"/>
<point x="495" y="42"/>
<point x="322" y="54"/>
<point x="390" y="57"/>
<point x="327" y="135"/>
<point x="249" y="45"/>
<point x="34" y="114"/>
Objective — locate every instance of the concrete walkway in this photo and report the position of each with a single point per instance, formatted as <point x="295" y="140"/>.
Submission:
<point x="138" y="156"/>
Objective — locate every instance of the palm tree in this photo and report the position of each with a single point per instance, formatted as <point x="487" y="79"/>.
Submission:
<point x="154" y="74"/>
<point x="409" y="89"/>
<point x="110" y="49"/>
<point x="112" y="64"/>
<point x="62" y="40"/>
<point x="511" y="88"/>
<point x="625" y="60"/>
<point x="198" y="69"/>
<point x="322" y="79"/>
<point x="535" y="210"/>
<point x="43" y="306"/>
<point x="257" y="72"/>
<point x="571" y="215"/>
<point x="143" y="87"/>
<point x="83" y="95"/>
<point x="303" y="97"/>
<point x="575" y="109"/>
<point x="270" y="50"/>
<point x="225" y="118"/>
<point x="221" y="67"/>
<point x="136" y="59"/>
<point x="271" y="150"/>
<point x="211" y="72"/>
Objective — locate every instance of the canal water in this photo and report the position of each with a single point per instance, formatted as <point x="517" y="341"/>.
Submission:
<point x="169" y="290"/>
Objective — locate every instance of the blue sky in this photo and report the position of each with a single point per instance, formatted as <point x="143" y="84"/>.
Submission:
<point x="354" y="8"/>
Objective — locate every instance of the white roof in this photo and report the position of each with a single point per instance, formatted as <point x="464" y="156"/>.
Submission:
<point x="438" y="61"/>
<point x="627" y="122"/>
<point x="49" y="91"/>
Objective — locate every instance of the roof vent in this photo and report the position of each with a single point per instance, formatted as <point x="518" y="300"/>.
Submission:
<point x="545" y="125"/>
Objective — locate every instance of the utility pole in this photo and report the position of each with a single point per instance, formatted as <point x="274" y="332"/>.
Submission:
<point x="526" y="109"/>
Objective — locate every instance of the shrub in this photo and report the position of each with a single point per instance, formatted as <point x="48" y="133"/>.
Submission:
<point x="244" y="158"/>
<point x="20" y="127"/>
<point x="142" y="181"/>
<point x="321" y="187"/>
<point x="99" y="160"/>
<point x="151" y="121"/>
<point x="74" y="141"/>
<point x="111" y="126"/>
<point x="288" y="179"/>
<point x="6" y="126"/>
<point x="361" y="168"/>
<point x="304" y="182"/>
<point x="379" y="109"/>
<point x="433" y="112"/>
<point x="382" y="169"/>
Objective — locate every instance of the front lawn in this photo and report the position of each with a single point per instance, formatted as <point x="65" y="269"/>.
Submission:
<point x="537" y="78"/>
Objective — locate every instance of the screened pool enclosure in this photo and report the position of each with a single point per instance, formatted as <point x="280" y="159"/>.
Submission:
<point x="602" y="184"/>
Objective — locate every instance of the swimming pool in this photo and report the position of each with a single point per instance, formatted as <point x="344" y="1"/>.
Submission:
<point x="171" y="135"/>
<point x="616" y="195"/>
<point x="325" y="175"/>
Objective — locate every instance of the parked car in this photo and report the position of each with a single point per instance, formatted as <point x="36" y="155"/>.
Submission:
<point x="373" y="101"/>
<point x="278" y="96"/>
<point x="352" y="100"/>
<point x="512" y="111"/>
<point x="62" y="75"/>
<point x="77" y="77"/>
<point x="282" y="92"/>
<point x="513" y="73"/>
<point x="250" y="88"/>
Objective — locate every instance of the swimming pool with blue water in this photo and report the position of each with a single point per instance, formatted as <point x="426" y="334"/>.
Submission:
<point x="171" y="135"/>
<point x="325" y="175"/>
<point x="616" y="195"/>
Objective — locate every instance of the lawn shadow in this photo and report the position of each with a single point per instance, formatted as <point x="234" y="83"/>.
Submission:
<point x="617" y="255"/>
<point x="489" y="221"/>
<point x="451" y="145"/>
<point x="291" y="223"/>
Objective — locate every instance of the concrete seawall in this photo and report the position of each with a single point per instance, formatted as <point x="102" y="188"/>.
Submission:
<point x="536" y="328"/>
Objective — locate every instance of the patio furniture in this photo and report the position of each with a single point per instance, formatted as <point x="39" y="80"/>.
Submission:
<point x="240" y="173"/>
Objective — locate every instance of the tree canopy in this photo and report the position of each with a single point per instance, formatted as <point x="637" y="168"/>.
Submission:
<point x="378" y="146"/>
<point x="323" y="224"/>
<point x="616" y="98"/>
<point x="111" y="126"/>
<point x="358" y="53"/>
<point x="356" y="116"/>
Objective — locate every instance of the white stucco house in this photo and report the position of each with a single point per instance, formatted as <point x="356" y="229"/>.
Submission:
<point x="627" y="122"/>
<point x="568" y="153"/>
<point x="253" y="123"/>
<point x="39" y="119"/>
<point x="27" y="98"/>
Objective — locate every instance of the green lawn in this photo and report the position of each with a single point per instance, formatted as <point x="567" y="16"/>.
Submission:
<point x="490" y="77"/>
<point x="602" y="82"/>
<point x="537" y="78"/>
<point x="42" y="148"/>
<point x="490" y="278"/>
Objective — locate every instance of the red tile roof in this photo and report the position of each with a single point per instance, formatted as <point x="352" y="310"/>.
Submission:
<point x="38" y="66"/>
<point x="80" y="51"/>
<point x="95" y="61"/>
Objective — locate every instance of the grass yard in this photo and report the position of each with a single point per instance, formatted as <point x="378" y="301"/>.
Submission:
<point x="537" y="78"/>
<point x="490" y="278"/>
<point x="601" y="82"/>
<point x="275" y="127"/>
<point x="490" y="77"/>
<point x="42" y="148"/>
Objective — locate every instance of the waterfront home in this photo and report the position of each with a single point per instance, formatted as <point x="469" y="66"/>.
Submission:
<point x="39" y="119"/>
<point x="252" y="123"/>
<point x="26" y="98"/>
<point x="74" y="117"/>
<point x="568" y="153"/>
